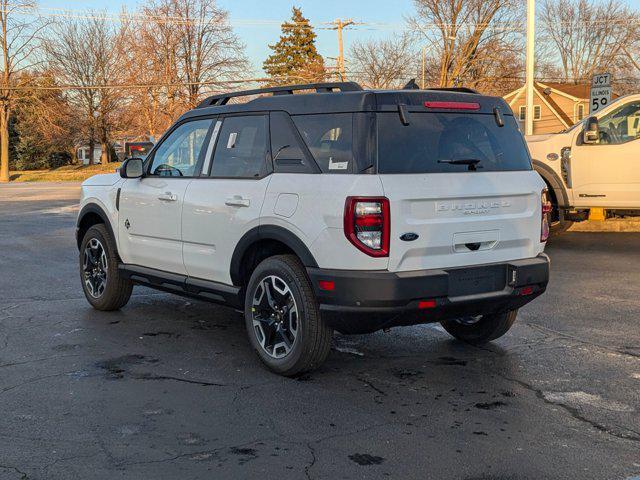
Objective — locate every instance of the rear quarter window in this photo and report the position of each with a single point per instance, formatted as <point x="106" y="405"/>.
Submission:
<point x="329" y="138"/>
<point x="432" y="140"/>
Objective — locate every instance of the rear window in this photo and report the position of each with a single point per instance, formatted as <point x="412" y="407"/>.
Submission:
<point x="329" y="139"/>
<point x="432" y="141"/>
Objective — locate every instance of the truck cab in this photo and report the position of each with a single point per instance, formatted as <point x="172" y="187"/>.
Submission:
<point x="593" y="164"/>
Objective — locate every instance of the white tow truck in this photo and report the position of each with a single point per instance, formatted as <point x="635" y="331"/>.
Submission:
<point x="595" y="164"/>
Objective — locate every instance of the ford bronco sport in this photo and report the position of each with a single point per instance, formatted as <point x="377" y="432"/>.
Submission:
<point x="335" y="208"/>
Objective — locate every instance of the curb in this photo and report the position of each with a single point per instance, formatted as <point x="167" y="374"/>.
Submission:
<point x="612" y="225"/>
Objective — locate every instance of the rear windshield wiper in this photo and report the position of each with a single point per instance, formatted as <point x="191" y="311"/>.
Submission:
<point x="471" y="162"/>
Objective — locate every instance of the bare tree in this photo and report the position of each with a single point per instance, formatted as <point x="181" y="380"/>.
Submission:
<point x="18" y="41"/>
<point x="208" y="51"/>
<point x="88" y="55"/>
<point x="387" y="63"/>
<point x="468" y="38"/>
<point x="152" y="61"/>
<point x="178" y="50"/>
<point x="588" y="35"/>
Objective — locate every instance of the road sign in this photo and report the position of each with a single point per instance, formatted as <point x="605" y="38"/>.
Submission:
<point x="600" y="92"/>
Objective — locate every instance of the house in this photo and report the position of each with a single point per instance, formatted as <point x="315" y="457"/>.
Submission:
<point x="83" y="156"/>
<point x="82" y="153"/>
<point x="556" y="106"/>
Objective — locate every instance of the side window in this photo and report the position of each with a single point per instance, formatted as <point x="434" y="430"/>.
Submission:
<point x="179" y="153"/>
<point x="288" y="153"/>
<point x="241" y="148"/>
<point x="620" y="126"/>
<point x="537" y="112"/>
<point x="329" y="137"/>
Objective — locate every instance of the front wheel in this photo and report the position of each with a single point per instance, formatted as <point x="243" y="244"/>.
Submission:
<point x="102" y="282"/>
<point x="282" y="317"/>
<point x="557" y="222"/>
<point x="481" y="328"/>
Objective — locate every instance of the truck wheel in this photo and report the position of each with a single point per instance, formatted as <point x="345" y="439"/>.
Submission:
<point x="480" y="329"/>
<point x="102" y="283"/>
<point x="557" y="222"/>
<point x="282" y="317"/>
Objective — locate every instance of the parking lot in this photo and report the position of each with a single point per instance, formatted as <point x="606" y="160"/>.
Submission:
<point x="168" y="387"/>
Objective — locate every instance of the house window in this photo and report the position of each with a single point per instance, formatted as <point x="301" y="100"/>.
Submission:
<point x="523" y="113"/>
<point x="537" y="112"/>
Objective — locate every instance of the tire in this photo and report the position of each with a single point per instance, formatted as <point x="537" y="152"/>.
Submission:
<point x="486" y="329"/>
<point x="557" y="223"/>
<point x="283" y="319"/>
<point x="114" y="293"/>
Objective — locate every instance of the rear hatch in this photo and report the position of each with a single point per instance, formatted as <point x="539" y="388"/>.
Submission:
<point x="460" y="186"/>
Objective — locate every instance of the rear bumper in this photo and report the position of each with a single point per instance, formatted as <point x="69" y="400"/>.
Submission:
<point x="366" y="301"/>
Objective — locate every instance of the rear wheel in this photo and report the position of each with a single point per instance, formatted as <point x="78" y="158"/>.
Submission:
<point x="282" y="317"/>
<point x="102" y="283"/>
<point x="482" y="328"/>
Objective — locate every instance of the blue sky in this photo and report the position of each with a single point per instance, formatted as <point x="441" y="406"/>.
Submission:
<point x="380" y="18"/>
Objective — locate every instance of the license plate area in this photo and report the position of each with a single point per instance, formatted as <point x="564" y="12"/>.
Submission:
<point x="472" y="281"/>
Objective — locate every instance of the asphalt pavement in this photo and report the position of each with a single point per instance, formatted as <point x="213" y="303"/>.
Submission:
<point x="168" y="388"/>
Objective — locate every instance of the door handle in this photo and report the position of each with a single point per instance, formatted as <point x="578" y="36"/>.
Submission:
<point x="237" y="201"/>
<point x="168" y="197"/>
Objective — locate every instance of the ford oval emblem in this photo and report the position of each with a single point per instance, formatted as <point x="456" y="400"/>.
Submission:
<point x="409" y="237"/>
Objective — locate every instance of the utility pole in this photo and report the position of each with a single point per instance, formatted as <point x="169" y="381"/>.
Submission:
<point x="338" y="25"/>
<point x="424" y="54"/>
<point x="530" y="64"/>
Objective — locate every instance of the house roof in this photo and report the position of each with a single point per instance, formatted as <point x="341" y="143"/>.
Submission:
<point x="580" y="91"/>
<point x="552" y="103"/>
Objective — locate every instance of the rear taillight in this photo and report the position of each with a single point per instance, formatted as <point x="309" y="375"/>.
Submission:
<point x="546" y="211"/>
<point x="366" y="224"/>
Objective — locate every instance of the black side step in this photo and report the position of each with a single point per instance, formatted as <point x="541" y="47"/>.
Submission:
<point x="183" y="285"/>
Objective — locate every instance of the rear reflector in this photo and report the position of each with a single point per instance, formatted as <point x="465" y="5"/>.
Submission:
<point x="547" y="208"/>
<point x="326" y="285"/>
<point x="525" y="291"/>
<point x="453" y="105"/>
<point x="423" y="304"/>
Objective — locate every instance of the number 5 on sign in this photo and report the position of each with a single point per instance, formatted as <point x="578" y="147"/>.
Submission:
<point x="600" y="92"/>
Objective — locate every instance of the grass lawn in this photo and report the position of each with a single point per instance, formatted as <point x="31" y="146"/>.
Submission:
<point x="68" y="173"/>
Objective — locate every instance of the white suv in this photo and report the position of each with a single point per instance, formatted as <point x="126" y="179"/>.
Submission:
<point x="342" y="209"/>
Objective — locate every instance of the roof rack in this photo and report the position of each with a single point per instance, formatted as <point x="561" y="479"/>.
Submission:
<point x="327" y="87"/>
<point x="454" y="89"/>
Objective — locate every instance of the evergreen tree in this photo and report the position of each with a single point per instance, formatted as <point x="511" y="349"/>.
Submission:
<point x="295" y="58"/>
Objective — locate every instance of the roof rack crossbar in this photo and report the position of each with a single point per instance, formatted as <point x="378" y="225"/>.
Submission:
<point x="222" y="99"/>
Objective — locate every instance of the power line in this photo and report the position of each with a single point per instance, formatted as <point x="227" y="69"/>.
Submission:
<point x="142" y="17"/>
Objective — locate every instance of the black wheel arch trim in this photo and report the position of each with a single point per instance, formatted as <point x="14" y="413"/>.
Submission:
<point x="98" y="210"/>
<point x="552" y="178"/>
<point x="268" y="232"/>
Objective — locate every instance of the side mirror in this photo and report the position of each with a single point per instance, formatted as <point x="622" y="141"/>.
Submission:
<point x="591" y="134"/>
<point x="132" y="168"/>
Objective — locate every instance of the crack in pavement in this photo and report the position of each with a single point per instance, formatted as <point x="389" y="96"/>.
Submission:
<point x="33" y="380"/>
<point x="210" y="452"/>
<point x="23" y="475"/>
<point x="308" y="467"/>
<point x="371" y="385"/>
<point x="547" y="330"/>
<point x="35" y="360"/>
<point x="574" y="412"/>
<point x="149" y="376"/>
